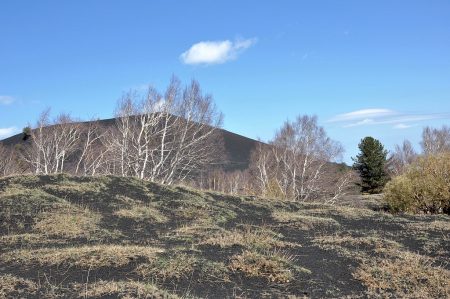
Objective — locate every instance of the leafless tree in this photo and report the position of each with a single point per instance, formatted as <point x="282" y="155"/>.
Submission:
<point x="402" y="156"/>
<point x="165" y="138"/>
<point x="52" y="143"/>
<point x="8" y="163"/>
<point x="262" y="167"/>
<point x="230" y="182"/>
<point x="293" y="167"/>
<point x="92" y="152"/>
<point x="195" y="140"/>
<point x="435" y="140"/>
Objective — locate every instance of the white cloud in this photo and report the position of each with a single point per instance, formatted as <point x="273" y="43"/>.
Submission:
<point x="366" y="121"/>
<point x="362" y="114"/>
<point x="402" y="126"/>
<point x="215" y="52"/>
<point x="6" y="100"/>
<point x="382" y="117"/>
<point x="6" y="132"/>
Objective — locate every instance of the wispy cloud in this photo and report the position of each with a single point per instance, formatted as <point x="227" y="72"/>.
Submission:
<point x="402" y="126"/>
<point x="6" y="132"/>
<point x="362" y="114"/>
<point x="381" y="116"/>
<point x="215" y="52"/>
<point x="6" y="100"/>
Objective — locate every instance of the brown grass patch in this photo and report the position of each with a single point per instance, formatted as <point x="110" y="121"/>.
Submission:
<point x="16" y="287"/>
<point x="248" y="237"/>
<point x="20" y="240"/>
<point x="177" y="267"/>
<point x="343" y="211"/>
<point x="123" y="289"/>
<point x="407" y="275"/>
<point x="193" y="232"/>
<point x="69" y="222"/>
<point x="436" y="225"/>
<point x="274" y="267"/>
<point x="305" y="222"/>
<point x="85" y="257"/>
<point x="357" y="247"/>
<point x="142" y="213"/>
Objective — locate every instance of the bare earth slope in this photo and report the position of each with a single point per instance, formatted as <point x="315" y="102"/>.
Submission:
<point x="111" y="237"/>
<point x="237" y="148"/>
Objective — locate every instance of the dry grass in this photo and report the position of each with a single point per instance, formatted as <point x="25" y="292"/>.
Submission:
<point x="192" y="210"/>
<point x="123" y="289"/>
<point x="75" y="188"/>
<point x="357" y="247"/>
<point x="68" y="222"/>
<point x="343" y="211"/>
<point x="21" y="240"/>
<point x="275" y="267"/>
<point x="389" y="271"/>
<point x="15" y="287"/>
<point x="85" y="256"/>
<point x="50" y="240"/>
<point x="178" y="266"/>
<point x="436" y="225"/>
<point x="142" y="213"/>
<point x="407" y="275"/>
<point x="249" y="237"/>
<point x="193" y="232"/>
<point x="304" y="222"/>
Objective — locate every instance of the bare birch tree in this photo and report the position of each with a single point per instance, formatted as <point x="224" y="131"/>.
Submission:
<point x="402" y="156"/>
<point x="295" y="161"/>
<point x="435" y="140"/>
<point x="92" y="152"/>
<point x="52" y="143"/>
<point x="8" y="163"/>
<point x="165" y="138"/>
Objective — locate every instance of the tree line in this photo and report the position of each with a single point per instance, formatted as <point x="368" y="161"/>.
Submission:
<point x="411" y="181"/>
<point x="163" y="138"/>
<point x="174" y="138"/>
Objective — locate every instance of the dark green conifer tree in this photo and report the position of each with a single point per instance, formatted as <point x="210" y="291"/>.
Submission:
<point x="370" y="163"/>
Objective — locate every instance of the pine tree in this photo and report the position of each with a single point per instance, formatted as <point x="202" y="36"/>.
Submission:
<point x="370" y="163"/>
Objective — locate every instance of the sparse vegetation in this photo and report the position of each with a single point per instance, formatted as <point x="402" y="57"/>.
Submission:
<point x="141" y="214"/>
<point x="404" y="275"/>
<point x="247" y="237"/>
<point x="106" y="236"/>
<point x="302" y="221"/>
<point x="87" y="257"/>
<point x="273" y="267"/>
<point x="123" y="289"/>
<point x="15" y="287"/>
<point x="176" y="266"/>
<point x="68" y="222"/>
<point x="425" y="186"/>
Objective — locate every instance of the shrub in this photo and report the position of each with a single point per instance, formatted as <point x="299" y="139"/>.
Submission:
<point x="425" y="187"/>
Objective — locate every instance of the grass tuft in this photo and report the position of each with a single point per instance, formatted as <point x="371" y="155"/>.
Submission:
<point x="87" y="257"/>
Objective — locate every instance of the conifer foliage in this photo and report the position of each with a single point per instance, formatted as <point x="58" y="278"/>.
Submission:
<point x="370" y="163"/>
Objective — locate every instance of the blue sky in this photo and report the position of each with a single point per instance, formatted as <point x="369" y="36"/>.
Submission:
<point x="378" y="68"/>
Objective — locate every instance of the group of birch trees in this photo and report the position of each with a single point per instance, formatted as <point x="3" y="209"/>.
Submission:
<point x="167" y="138"/>
<point x="297" y="163"/>
<point x="434" y="141"/>
<point x="173" y="137"/>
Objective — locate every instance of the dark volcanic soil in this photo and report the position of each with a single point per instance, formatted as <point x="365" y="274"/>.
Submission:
<point x="110" y="237"/>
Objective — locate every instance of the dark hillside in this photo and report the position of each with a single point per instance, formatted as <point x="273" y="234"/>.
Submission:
<point x="238" y="148"/>
<point x="112" y="237"/>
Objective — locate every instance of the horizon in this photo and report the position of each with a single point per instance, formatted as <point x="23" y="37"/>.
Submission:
<point x="379" y="70"/>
